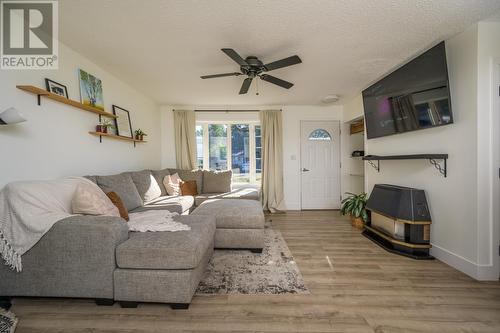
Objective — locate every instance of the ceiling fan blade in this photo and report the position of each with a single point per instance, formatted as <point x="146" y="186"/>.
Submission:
<point x="235" y="56"/>
<point x="293" y="60"/>
<point x="276" y="81"/>
<point x="220" y="75"/>
<point x="246" y="85"/>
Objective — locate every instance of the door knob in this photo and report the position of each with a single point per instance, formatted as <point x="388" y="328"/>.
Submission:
<point x="305" y="170"/>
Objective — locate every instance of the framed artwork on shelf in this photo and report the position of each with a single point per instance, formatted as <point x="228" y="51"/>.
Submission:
<point x="122" y="122"/>
<point x="56" y="88"/>
<point x="91" y="90"/>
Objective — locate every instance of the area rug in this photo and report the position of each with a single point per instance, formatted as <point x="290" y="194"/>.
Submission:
<point x="274" y="271"/>
<point x="8" y="321"/>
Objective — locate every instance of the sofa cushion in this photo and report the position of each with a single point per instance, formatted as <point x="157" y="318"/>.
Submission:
<point x="146" y="184"/>
<point x="217" y="181"/>
<point x="159" y="176"/>
<point x="174" y="204"/>
<point x="249" y="193"/>
<point x="123" y="185"/>
<point x="190" y="175"/>
<point x="233" y="213"/>
<point x="168" y="250"/>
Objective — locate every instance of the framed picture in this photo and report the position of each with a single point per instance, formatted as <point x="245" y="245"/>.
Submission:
<point x="90" y="90"/>
<point x="122" y="123"/>
<point x="56" y="88"/>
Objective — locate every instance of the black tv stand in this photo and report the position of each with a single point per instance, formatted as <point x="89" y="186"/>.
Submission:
<point x="433" y="159"/>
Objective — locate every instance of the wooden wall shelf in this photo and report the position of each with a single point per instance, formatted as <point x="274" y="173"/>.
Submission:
<point x="116" y="137"/>
<point x="41" y="92"/>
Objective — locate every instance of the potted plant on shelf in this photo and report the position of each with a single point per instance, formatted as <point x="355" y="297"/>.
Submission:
<point x="354" y="205"/>
<point x="139" y="134"/>
<point x="103" y="126"/>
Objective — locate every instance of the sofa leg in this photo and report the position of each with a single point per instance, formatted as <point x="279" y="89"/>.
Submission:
<point x="179" y="306"/>
<point x="104" y="301"/>
<point x="5" y="302"/>
<point x="128" y="305"/>
<point x="256" y="250"/>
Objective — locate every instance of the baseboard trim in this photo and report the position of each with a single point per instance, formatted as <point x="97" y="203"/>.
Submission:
<point x="476" y="271"/>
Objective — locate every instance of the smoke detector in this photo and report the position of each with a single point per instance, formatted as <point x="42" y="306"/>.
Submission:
<point x="330" y="99"/>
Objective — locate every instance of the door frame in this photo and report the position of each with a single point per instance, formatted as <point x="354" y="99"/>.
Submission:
<point x="300" y="155"/>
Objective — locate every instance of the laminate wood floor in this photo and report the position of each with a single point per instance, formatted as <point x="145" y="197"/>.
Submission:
<point x="355" y="287"/>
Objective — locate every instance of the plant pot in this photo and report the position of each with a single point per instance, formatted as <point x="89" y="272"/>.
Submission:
<point x="101" y="129"/>
<point x="141" y="137"/>
<point x="137" y="137"/>
<point x="357" y="222"/>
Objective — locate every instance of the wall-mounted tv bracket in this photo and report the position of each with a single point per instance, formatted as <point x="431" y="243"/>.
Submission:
<point x="433" y="159"/>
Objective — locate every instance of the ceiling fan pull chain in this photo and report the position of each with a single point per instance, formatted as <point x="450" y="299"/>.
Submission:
<point x="257" y="85"/>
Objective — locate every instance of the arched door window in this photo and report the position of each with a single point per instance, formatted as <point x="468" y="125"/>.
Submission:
<point x="320" y="135"/>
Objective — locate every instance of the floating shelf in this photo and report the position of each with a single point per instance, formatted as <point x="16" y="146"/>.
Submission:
<point x="433" y="159"/>
<point x="116" y="137"/>
<point x="41" y="92"/>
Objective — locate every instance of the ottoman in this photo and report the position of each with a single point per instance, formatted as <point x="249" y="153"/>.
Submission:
<point x="239" y="223"/>
<point x="164" y="267"/>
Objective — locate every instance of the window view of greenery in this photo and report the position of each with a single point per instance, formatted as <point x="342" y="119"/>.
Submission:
<point x="240" y="153"/>
<point x="217" y="145"/>
<point x="199" y="146"/>
<point x="258" y="154"/>
<point x="235" y="147"/>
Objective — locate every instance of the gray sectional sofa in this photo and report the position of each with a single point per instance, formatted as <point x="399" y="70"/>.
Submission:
<point x="97" y="257"/>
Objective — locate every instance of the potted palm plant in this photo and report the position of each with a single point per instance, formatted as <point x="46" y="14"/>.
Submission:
<point x="354" y="205"/>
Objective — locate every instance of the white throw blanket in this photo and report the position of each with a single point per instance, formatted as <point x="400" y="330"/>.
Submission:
<point x="28" y="210"/>
<point x="155" y="220"/>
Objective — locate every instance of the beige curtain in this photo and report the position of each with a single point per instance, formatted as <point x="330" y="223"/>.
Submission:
<point x="185" y="139"/>
<point x="272" y="159"/>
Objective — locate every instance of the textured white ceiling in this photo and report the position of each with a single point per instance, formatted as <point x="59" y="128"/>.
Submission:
<point x="162" y="47"/>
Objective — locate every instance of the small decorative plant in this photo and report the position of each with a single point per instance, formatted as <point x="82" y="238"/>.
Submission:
<point x="139" y="134"/>
<point x="354" y="205"/>
<point x="103" y="126"/>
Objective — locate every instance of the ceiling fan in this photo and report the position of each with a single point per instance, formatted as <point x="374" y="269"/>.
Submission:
<point x="252" y="67"/>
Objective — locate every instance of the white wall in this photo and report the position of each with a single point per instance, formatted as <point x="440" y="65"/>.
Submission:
<point x="488" y="145"/>
<point x="54" y="142"/>
<point x="464" y="232"/>
<point x="292" y="116"/>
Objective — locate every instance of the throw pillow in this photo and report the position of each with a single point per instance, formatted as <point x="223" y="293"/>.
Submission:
<point x="123" y="185"/>
<point x="146" y="184"/>
<point x="190" y="175"/>
<point x="189" y="188"/>
<point x="172" y="184"/>
<point x="117" y="201"/>
<point x="217" y="181"/>
<point x="159" y="176"/>
<point x="89" y="199"/>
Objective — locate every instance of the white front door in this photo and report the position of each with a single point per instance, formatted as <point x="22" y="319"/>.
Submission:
<point x="320" y="164"/>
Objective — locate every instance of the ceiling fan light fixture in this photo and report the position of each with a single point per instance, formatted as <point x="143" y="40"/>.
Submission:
<point x="330" y="99"/>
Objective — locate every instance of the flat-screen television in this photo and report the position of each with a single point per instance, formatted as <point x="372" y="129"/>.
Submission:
<point x="413" y="97"/>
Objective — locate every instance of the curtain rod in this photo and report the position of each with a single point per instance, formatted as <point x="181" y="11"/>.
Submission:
<point x="227" y="110"/>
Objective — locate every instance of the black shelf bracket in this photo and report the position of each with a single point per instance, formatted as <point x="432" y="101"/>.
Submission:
<point x="442" y="169"/>
<point x="39" y="99"/>
<point x="375" y="166"/>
